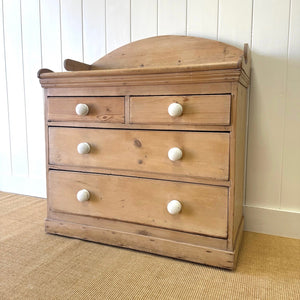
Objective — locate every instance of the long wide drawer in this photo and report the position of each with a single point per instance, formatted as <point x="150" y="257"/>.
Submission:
<point x="204" y="154"/>
<point x="194" y="110"/>
<point x="86" y="109"/>
<point x="142" y="201"/>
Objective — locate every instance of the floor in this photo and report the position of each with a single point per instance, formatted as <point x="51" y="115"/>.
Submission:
<point x="36" y="265"/>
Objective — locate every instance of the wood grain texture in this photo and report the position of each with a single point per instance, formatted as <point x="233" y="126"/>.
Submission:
<point x="204" y="154"/>
<point x="240" y="134"/>
<point x="197" y="110"/>
<point x="169" y="51"/>
<point x="142" y="201"/>
<point x="167" y="247"/>
<point x="145" y="230"/>
<point x="127" y="171"/>
<point x="101" y="109"/>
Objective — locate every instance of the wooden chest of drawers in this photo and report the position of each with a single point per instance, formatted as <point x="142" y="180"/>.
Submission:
<point x="145" y="148"/>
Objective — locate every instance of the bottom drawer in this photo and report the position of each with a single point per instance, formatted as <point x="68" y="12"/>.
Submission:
<point x="143" y="201"/>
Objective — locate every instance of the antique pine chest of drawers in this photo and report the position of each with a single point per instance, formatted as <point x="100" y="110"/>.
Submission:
<point x="145" y="148"/>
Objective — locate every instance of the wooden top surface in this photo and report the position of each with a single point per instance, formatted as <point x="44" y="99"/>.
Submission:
<point x="160" y="54"/>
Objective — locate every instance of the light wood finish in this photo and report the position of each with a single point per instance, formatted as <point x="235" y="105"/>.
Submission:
<point x="73" y="65"/>
<point x="197" y="110"/>
<point x="122" y="198"/>
<point x="165" y="233"/>
<point x="175" y="50"/>
<point x="166" y="247"/>
<point x="205" y="154"/>
<point x="127" y="172"/>
<point x="101" y="109"/>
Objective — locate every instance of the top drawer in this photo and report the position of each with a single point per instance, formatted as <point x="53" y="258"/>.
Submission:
<point x="196" y="110"/>
<point x="88" y="109"/>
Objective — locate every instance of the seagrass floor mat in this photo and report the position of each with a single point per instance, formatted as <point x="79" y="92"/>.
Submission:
<point x="36" y="265"/>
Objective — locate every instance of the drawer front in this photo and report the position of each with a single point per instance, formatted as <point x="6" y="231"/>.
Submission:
<point x="204" y="154"/>
<point x="143" y="201"/>
<point x="100" y="109"/>
<point x="196" y="110"/>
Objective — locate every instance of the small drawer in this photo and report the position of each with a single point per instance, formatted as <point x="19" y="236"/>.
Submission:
<point x="203" y="208"/>
<point x="195" y="110"/>
<point x="87" y="109"/>
<point x="198" y="154"/>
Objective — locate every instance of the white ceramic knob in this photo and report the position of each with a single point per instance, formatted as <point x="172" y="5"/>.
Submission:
<point x="82" y="109"/>
<point x="83" y="195"/>
<point x="175" y="154"/>
<point x="175" y="110"/>
<point x="174" y="207"/>
<point x="83" y="148"/>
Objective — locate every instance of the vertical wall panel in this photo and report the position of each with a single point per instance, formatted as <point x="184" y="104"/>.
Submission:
<point x="291" y="159"/>
<point x="15" y="86"/>
<point x="51" y="36"/>
<point x="93" y="30"/>
<point x="143" y="19"/>
<point x="202" y="18"/>
<point x="235" y="28"/>
<point x="5" y="168"/>
<point x="33" y="93"/>
<point x="171" y="18"/>
<point x="117" y="23"/>
<point x="266" y="114"/>
<point x="71" y="29"/>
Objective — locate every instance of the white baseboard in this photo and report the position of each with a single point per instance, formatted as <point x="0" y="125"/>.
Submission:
<point x="23" y="185"/>
<point x="272" y="221"/>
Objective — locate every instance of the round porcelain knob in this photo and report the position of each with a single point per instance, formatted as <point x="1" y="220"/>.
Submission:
<point x="175" y="110"/>
<point x="174" y="207"/>
<point x="175" y="154"/>
<point x="83" y="195"/>
<point x="83" y="148"/>
<point x="82" y="109"/>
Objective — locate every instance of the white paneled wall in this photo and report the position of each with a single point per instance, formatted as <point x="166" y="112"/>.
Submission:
<point x="42" y="33"/>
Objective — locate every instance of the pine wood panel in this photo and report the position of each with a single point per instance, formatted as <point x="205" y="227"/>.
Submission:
<point x="204" y="154"/>
<point x="145" y="230"/>
<point x="167" y="247"/>
<point x="205" y="109"/>
<point x="142" y="201"/>
<point x="101" y="109"/>
<point x="171" y="51"/>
